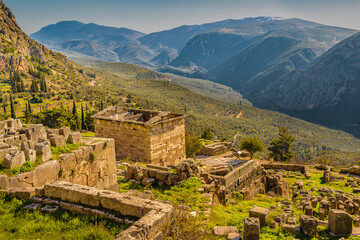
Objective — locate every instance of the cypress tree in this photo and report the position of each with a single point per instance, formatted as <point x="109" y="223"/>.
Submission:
<point x="34" y="86"/>
<point x="13" y="115"/>
<point x="82" y="118"/>
<point x="29" y="106"/>
<point x="27" y="113"/>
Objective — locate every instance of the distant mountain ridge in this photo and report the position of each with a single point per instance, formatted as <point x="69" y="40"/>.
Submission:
<point x="137" y="47"/>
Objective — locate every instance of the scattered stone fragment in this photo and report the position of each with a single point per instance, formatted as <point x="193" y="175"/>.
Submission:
<point x="251" y="228"/>
<point x="261" y="213"/>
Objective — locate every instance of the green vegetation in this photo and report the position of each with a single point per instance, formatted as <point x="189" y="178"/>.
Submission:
<point x="27" y="167"/>
<point x="252" y="145"/>
<point x="56" y="151"/>
<point x="207" y="134"/>
<point x="16" y="223"/>
<point x="192" y="145"/>
<point x="280" y="148"/>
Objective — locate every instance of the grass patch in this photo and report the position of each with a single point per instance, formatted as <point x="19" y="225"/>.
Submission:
<point x="27" y="167"/>
<point x="88" y="134"/>
<point x="56" y="151"/>
<point x="16" y="223"/>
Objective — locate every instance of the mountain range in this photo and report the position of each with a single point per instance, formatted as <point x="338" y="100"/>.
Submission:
<point x="275" y="63"/>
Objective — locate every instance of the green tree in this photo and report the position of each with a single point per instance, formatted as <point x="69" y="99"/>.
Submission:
<point x="27" y="113"/>
<point x="29" y="106"/>
<point x="34" y="86"/>
<point x="207" y="134"/>
<point x="83" y="126"/>
<point x="77" y="121"/>
<point x="12" y="107"/>
<point x="252" y="145"/>
<point x="280" y="148"/>
<point x="193" y="145"/>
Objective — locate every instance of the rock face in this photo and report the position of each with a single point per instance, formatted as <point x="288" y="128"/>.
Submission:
<point x="340" y="222"/>
<point x="251" y="228"/>
<point x="19" y="44"/>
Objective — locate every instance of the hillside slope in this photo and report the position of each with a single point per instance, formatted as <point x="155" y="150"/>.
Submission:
<point x="327" y="92"/>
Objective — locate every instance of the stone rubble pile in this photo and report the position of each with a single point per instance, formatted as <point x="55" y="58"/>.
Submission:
<point x="19" y="144"/>
<point x="152" y="174"/>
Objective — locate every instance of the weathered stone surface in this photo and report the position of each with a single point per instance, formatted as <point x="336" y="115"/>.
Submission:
<point x="224" y="230"/>
<point x="291" y="228"/>
<point x="58" y="141"/>
<point x="233" y="236"/>
<point x="36" y="132"/>
<point x="340" y="222"/>
<point x="4" y="181"/>
<point x="30" y="155"/>
<point x="261" y="213"/>
<point x="308" y="225"/>
<point x="251" y="228"/>
<point x="6" y="149"/>
<point x="13" y="160"/>
<point x="43" y="151"/>
<point x="75" y="138"/>
<point x="46" y="173"/>
<point x="65" y="131"/>
<point x="73" y="193"/>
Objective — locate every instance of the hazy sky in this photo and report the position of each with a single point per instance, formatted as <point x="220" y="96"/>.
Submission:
<point x="155" y="15"/>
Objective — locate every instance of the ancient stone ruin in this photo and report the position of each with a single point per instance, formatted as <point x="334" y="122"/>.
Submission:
<point x="142" y="135"/>
<point x="92" y="163"/>
<point x="82" y="180"/>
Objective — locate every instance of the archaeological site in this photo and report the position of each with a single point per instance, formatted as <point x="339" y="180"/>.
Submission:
<point x="83" y="175"/>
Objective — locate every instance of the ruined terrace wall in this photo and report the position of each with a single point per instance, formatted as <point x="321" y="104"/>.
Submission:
<point x="168" y="142"/>
<point x="131" y="140"/>
<point x="286" y="167"/>
<point x="93" y="165"/>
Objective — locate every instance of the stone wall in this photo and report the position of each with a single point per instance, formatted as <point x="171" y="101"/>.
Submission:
<point x="162" y="143"/>
<point x="168" y="142"/>
<point x="231" y="179"/>
<point x="92" y="164"/>
<point x="286" y="167"/>
<point x="152" y="215"/>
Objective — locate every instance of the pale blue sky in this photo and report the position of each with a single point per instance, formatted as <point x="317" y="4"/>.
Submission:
<point x="155" y="15"/>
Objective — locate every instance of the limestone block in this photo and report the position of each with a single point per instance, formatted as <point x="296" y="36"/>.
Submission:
<point x="52" y="132"/>
<point x="4" y="181"/>
<point x="43" y="151"/>
<point x="46" y="173"/>
<point x="58" y="141"/>
<point x="293" y="229"/>
<point x="30" y="155"/>
<point x="27" y="144"/>
<point x="340" y="222"/>
<point x="162" y="176"/>
<point x="251" y="228"/>
<point x="65" y="131"/>
<point x="75" y="138"/>
<point x="261" y="213"/>
<point x="148" y="182"/>
<point x="67" y="162"/>
<point x="308" y="225"/>
<point x="36" y="132"/>
<point x="73" y="193"/>
<point x="6" y="149"/>
<point x="224" y="230"/>
<point x="151" y="222"/>
<point x="13" y="160"/>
